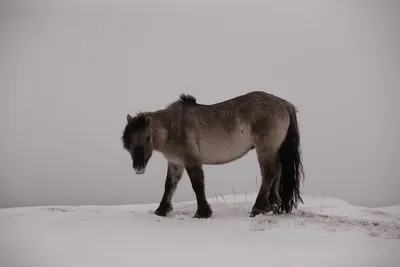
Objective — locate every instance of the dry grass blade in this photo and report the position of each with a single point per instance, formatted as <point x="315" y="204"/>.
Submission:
<point x="222" y="196"/>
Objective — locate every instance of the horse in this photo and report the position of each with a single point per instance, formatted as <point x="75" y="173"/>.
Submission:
<point x="190" y="135"/>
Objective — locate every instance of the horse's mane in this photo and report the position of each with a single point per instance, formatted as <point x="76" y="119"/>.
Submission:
<point x="184" y="99"/>
<point x="187" y="99"/>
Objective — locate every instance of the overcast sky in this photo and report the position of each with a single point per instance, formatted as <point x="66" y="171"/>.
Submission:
<point x="69" y="74"/>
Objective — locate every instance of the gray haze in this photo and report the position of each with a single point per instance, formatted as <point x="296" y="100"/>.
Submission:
<point x="69" y="74"/>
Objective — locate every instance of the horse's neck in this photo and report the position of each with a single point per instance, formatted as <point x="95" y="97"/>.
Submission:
<point x="160" y="123"/>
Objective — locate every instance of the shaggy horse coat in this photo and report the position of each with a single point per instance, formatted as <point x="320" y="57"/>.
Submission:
<point x="190" y="135"/>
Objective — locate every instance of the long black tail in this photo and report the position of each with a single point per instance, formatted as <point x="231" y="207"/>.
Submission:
<point x="292" y="167"/>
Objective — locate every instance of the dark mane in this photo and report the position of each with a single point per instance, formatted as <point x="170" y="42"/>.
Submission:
<point x="187" y="99"/>
<point x="137" y="122"/>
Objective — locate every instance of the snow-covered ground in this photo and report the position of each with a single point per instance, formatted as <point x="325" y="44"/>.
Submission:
<point x="322" y="232"/>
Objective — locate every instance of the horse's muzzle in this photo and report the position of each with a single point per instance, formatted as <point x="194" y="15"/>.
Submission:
<point x="140" y="166"/>
<point x="139" y="170"/>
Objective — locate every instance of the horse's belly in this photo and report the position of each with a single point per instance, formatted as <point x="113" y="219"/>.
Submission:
<point x="224" y="150"/>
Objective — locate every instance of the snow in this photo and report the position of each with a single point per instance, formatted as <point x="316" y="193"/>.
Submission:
<point x="322" y="232"/>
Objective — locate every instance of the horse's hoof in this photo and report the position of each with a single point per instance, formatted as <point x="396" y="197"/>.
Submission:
<point x="203" y="213"/>
<point x="162" y="213"/>
<point x="257" y="211"/>
<point x="202" y="216"/>
<point x="163" y="210"/>
<point x="254" y="213"/>
<point x="276" y="209"/>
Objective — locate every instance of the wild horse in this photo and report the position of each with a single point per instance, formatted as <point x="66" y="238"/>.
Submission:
<point x="190" y="135"/>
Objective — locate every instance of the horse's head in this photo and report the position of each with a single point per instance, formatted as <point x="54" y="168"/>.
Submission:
<point x="137" y="140"/>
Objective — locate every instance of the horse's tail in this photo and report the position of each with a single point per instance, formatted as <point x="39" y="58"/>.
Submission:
<point x="292" y="167"/>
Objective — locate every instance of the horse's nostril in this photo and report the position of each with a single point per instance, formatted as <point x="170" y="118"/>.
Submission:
<point x="139" y="170"/>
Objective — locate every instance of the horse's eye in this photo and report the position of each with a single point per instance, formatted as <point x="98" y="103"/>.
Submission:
<point x="148" y="138"/>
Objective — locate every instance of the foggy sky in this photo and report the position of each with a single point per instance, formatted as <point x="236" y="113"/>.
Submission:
<point x="69" y="74"/>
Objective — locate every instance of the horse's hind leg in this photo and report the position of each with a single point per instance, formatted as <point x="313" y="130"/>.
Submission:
<point x="269" y="171"/>
<point x="274" y="197"/>
<point x="174" y="175"/>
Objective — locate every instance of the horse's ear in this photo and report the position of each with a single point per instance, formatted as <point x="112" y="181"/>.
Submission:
<point x="148" y="120"/>
<point x="128" y="118"/>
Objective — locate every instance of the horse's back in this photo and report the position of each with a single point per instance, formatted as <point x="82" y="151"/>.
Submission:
<point x="255" y="108"/>
<point x="227" y="130"/>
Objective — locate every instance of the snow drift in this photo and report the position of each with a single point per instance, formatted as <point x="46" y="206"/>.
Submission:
<point x="321" y="232"/>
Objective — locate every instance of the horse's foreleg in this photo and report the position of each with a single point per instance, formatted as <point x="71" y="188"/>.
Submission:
<point x="174" y="175"/>
<point x="196" y="176"/>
